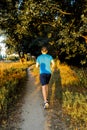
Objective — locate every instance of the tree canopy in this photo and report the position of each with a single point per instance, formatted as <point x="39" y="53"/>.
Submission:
<point x="60" y="24"/>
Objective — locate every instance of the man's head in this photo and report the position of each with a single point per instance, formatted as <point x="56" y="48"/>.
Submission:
<point x="44" y="50"/>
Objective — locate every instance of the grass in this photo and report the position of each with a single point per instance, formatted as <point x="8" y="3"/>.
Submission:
<point x="69" y="91"/>
<point x="11" y="75"/>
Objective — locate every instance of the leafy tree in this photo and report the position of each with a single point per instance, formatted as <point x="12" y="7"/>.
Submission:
<point x="72" y="47"/>
<point x="61" y="25"/>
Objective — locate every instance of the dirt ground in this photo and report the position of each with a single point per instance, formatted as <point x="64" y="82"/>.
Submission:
<point x="29" y="114"/>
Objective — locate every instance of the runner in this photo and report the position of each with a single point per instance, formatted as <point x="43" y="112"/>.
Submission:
<point x="45" y="62"/>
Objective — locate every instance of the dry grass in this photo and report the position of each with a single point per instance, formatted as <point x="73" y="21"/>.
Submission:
<point x="11" y="74"/>
<point x="68" y="96"/>
<point x="68" y="76"/>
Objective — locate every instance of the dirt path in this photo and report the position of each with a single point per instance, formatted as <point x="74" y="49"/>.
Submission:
<point x="33" y="115"/>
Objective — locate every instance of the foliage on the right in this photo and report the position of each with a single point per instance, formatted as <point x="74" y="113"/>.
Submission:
<point x="72" y="34"/>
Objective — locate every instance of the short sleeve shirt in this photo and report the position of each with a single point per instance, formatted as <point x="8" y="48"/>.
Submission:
<point x="44" y="60"/>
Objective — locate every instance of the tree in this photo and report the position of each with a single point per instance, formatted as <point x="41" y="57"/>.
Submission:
<point x="58" y="24"/>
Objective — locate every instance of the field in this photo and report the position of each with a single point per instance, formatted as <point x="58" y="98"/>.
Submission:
<point x="67" y="92"/>
<point x="68" y="96"/>
<point x="11" y="77"/>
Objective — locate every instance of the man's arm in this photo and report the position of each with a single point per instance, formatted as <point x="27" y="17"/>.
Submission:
<point x="37" y="64"/>
<point x="52" y="64"/>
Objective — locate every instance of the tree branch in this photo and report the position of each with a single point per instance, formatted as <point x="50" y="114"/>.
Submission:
<point x="85" y="37"/>
<point x="63" y="12"/>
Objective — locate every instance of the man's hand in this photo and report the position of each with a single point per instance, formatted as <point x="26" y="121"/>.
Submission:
<point x="53" y="66"/>
<point x="37" y="64"/>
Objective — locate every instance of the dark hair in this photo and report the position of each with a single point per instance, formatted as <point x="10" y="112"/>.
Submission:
<point x="44" y="49"/>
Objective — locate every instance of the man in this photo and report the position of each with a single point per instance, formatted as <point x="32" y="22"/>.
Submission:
<point x="45" y="62"/>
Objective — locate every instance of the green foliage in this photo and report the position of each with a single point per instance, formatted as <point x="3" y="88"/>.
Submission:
<point x="74" y="100"/>
<point x="59" y="25"/>
<point x="82" y="76"/>
<point x="74" y="104"/>
<point x="13" y="58"/>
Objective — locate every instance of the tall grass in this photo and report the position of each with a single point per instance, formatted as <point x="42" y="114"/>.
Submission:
<point x="69" y="88"/>
<point x="11" y="75"/>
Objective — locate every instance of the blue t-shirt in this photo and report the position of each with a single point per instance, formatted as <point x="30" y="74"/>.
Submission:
<point x="44" y="61"/>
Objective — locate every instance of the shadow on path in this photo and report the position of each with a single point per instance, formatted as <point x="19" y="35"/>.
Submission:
<point x="56" y="87"/>
<point x="56" y="100"/>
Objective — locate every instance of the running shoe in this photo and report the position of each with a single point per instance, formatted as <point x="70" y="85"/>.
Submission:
<point x="46" y="105"/>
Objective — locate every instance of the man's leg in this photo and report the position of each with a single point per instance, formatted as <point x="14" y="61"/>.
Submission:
<point x="44" y="78"/>
<point x="45" y="92"/>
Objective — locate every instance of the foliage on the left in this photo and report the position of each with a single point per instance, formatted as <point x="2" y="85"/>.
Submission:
<point x="11" y="77"/>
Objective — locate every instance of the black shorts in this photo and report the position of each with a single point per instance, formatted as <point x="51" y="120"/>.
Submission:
<point x="45" y="78"/>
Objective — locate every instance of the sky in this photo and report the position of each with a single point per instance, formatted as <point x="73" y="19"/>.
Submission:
<point x="3" y="50"/>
